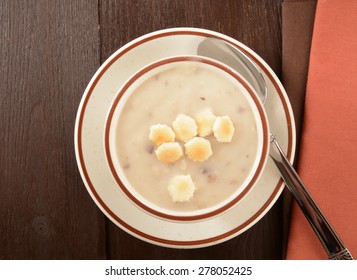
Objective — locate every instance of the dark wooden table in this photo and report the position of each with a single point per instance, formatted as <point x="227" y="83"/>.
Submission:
<point x="49" y="50"/>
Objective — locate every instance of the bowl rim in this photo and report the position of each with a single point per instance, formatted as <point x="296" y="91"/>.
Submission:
<point x="198" y="215"/>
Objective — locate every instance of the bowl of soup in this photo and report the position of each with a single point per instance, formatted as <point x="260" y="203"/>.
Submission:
<point x="186" y="138"/>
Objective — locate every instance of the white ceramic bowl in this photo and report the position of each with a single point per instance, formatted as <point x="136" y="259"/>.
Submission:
<point x="112" y="152"/>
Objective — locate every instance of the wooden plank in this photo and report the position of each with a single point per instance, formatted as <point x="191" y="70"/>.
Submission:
<point x="255" y="23"/>
<point x="49" y="51"/>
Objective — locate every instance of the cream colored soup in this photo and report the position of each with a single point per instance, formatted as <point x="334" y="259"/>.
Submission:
<point x="186" y="88"/>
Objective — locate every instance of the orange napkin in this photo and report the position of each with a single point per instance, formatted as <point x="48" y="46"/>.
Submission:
<point x="328" y="153"/>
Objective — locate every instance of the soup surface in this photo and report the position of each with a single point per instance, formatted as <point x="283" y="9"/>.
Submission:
<point x="188" y="88"/>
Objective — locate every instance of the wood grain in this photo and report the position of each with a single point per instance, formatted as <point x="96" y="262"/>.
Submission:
<point x="49" y="51"/>
<point x="255" y="23"/>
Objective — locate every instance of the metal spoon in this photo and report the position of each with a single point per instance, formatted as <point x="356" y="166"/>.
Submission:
<point x="238" y="60"/>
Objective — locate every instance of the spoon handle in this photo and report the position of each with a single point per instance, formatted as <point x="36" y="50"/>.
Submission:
<point x="333" y="245"/>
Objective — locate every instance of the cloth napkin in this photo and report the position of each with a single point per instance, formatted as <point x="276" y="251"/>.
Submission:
<point x="297" y="26"/>
<point x="328" y="152"/>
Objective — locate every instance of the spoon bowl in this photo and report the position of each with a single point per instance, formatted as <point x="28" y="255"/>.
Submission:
<point x="236" y="59"/>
